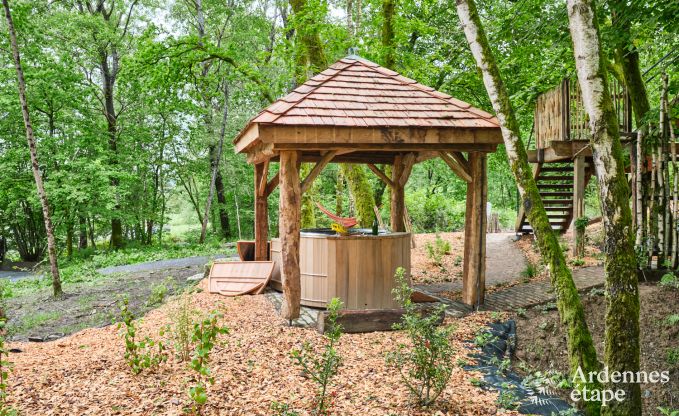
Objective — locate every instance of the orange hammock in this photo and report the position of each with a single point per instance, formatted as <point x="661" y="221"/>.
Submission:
<point x="344" y="222"/>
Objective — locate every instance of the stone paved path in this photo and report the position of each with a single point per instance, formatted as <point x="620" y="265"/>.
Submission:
<point x="527" y="294"/>
<point x="307" y="316"/>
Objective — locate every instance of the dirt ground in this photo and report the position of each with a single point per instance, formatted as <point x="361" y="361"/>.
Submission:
<point x="424" y="271"/>
<point x="90" y="304"/>
<point x="541" y="342"/>
<point x="85" y="373"/>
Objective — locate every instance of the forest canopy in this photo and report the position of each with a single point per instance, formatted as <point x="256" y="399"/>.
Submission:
<point x="129" y="100"/>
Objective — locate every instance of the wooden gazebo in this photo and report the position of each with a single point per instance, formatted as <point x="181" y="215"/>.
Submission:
<point x="358" y="112"/>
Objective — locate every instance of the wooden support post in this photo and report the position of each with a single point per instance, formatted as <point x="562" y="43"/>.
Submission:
<point x="289" y="228"/>
<point x="261" y="213"/>
<point x="403" y="165"/>
<point x="578" y="188"/>
<point x="474" y="273"/>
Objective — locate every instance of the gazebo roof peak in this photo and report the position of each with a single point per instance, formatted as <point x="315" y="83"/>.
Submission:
<point x="355" y="93"/>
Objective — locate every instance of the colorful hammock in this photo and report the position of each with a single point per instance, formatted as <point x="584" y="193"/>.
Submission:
<point x="344" y="222"/>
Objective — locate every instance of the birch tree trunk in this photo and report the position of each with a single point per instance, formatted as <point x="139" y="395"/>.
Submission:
<point x="32" y="147"/>
<point x="621" y="351"/>
<point x="581" y="352"/>
<point x="675" y="185"/>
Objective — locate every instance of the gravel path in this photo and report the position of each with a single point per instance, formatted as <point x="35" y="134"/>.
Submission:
<point x="130" y="268"/>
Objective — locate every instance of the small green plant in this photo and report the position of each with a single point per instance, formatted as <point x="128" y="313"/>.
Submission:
<point x="158" y="293"/>
<point x="578" y="262"/>
<point x="669" y="280"/>
<point x="458" y="260"/>
<point x="183" y="316"/>
<point x="322" y="368"/>
<point x="673" y="356"/>
<point x="5" y="366"/>
<point x="436" y="251"/>
<point x="425" y="365"/>
<point x="139" y="355"/>
<point x="204" y="337"/>
<point x="521" y="312"/>
<point x="529" y="272"/>
<point x="282" y="409"/>
<point x="507" y="399"/>
<point x="597" y="291"/>
<point x="483" y="338"/>
<point x="666" y="411"/>
<point x="672" y="319"/>
<point x="495" y="316"/>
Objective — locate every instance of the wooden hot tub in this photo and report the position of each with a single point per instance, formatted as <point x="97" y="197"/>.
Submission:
<point x="358" y="268"/>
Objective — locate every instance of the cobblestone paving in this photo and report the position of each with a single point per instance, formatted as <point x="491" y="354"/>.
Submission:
<point x="307" y="316"/>
<point x="527" y="294"/>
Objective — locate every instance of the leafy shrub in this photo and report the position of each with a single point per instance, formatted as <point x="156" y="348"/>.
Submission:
<point x="507" y="399"/>
<point x="181" y="331"/>
<point x="204" y="337"/>
<point x="5" y="365"/>
<point x="436" y="251"/>
<point x="321" y="369"/>
<point x="139" y="355"/>
<point x="158" y="292"/>
<point x="483" y="338"/>
<point x="426" y="365"/>
<point x="521" y="312"/>
<point x="669" y="280"/>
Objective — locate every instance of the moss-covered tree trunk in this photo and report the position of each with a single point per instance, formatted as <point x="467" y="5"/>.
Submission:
<point x="581" y="350"/>
<point x="622" y="293"/>
<point x="388" y="12"/>
<point x="361" y="192"/>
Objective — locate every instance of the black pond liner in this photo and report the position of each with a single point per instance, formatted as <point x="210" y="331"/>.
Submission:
<point x="501" y="346"/>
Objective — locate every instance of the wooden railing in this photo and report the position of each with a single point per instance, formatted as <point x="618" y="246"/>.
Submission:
<point x="560" y="115"/>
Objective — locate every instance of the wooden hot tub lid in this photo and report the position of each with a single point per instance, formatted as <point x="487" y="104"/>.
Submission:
<point x="235" y="278"/>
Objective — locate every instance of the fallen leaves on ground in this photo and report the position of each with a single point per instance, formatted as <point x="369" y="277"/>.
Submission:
<point x="85" y="374"/>
<point x="424" y="270"/>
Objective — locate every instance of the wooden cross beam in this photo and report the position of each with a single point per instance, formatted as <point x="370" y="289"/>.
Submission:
<point x="272" y="184"/>
<point x="381" y="175"/>
<point x="327" y="157"/>
<point x="408" y="163"/>
<point x="456" y="166"/>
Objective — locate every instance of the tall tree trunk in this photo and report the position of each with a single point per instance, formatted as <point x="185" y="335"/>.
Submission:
<point x="581" y="351"/>
<point x="224" y="224"/>
<point x="621" y="351"/>
<point x="82" y="233"/>
<point x="32" y="147"/>
<point x="388" y="11"/>
<point x="215" y="163"/>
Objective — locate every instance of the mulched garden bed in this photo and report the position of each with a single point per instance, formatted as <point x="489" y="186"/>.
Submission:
<point x="85" y="373"/>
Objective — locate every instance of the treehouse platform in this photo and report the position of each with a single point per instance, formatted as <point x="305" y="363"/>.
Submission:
<point x="562" y="157"/>
<point x="359" y="112"/>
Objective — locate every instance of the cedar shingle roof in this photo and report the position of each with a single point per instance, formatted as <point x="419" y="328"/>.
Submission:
<point x="354" y="92"/>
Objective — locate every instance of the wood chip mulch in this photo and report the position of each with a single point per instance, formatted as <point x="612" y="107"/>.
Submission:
<point x="85" y="374"/>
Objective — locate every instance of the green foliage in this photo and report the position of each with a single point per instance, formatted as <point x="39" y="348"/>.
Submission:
<point x="436" y="251"/>
<point x="282" y="409"/>
<point x="139" y="355"/>
<point x="673" y="356"/>
<point x="507" y="399"/>
<point x="426" y="364"/>
<point x="204" y="337"/>
<point x="521" y="312"/>
<point x="181" y="331"/>
<point x="581" y="223"/>
<point x="322" y="368"/>
<point x="669" y="280"/>
<point x="672" y="319"/>
<point x="666" y="411"/>
<point x="159" y="291"/>
<point x="529" y="272"/>
<point x="483" y="338"/>
<point x="5" y="367"/>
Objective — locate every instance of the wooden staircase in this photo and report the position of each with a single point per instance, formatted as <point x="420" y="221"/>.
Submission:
<point x="555" y="183"/>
